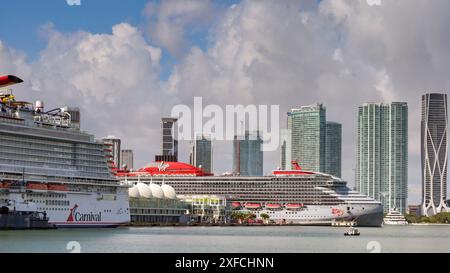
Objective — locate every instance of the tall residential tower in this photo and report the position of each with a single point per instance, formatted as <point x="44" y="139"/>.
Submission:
<point x="114" y="143"/>
<point x="312" y="141"/>
<point x="308" y="129"/>
<point x="333" y="148"/>
<point x="434" y="153"/>
<point x="127" y="159"/>
<point x="382" y="153"/>
<point x="247" y="154"/>
<point x="169" y="143"/>
<point x="201" y="153"/>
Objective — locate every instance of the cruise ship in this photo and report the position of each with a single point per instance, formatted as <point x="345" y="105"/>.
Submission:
<point x="47" y="163"/>
<point x="295" y="196"/>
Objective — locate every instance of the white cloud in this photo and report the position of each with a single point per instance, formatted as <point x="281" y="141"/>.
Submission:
<point x="384" y="86"/>
<point x="374" y="2"/>
<point x="12" y="61"/>
<point x="170" y="21"/>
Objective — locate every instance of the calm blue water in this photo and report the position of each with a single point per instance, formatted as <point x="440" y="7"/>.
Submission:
<point x="229" y="239"/>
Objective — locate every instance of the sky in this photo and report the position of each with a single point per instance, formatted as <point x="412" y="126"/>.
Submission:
<point x="127" y="63"/>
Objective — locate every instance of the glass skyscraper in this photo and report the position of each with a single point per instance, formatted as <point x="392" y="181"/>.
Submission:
<point x="285" y="140"/>
<point x="247" y="154"/>
<point x="434" y="153"/>
<point x="333" y="148"/>
<point x="382" y="153"/>
<point x="312" y="141"/>
<point x="308" y="128"/>
<point x="201" y="153"/>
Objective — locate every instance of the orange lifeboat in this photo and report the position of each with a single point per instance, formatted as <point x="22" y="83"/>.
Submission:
<point x="294" y="206"/>
<point x="273" y="206"/>
<point x="5" y="185"/>
<point x="252" y="206"/>
<point x="36" y="186"/>
<point x="57" y="187"/>
<point x="235" y="205"/>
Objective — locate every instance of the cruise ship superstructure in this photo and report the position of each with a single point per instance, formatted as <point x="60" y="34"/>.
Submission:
<point x="295" y="196"/>
<point x="48" y="163"/>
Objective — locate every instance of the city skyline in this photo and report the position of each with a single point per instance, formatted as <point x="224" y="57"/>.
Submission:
<point x="128" y="70"/>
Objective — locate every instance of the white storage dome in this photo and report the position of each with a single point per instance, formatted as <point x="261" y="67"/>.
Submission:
<point x="133" y="192"/>
<point x="144" y="190"/>
<point x="157" y="192"/>
<point x="169" y="192"/>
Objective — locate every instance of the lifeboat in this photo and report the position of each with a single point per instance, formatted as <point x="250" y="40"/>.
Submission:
<point x="5" y="185"/>
<point x="294" y="206"/>
<point x="37" y="186"/>
<point x="57" y="187"/>
<point x="273" y="206"/>
<point x="235" y="205"/>
<point x="252" y="206"/>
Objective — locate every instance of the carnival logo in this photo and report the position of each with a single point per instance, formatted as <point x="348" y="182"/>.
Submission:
<point x="336" y="211"/>
<point x="162" y="167"/>
<point x="76" y="216"/>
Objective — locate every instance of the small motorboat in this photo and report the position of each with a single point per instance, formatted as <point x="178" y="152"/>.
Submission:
<point x="352" y="232"/>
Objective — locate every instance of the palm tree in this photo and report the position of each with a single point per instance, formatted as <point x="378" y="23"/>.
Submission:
<point x="265" y="217"/>
<point x="237" y="215"/>
<point x="250" y="216"/>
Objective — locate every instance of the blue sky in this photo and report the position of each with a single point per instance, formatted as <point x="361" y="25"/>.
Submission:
<point x="95" y="16"/>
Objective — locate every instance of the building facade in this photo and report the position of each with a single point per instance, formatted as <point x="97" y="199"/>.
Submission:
<point x="114" y="143"/>
<point x="127" y="158"/>
<point x="333" y="148"/>
<point x="434" y="153"/>
<point x="169" y="144"/>
<point x="75" y="116"/>
<point x="308" y="128"/>
<point x="382" y="153"/>
<point x="285" y="159"/>
<point x="247" y="154"/>
<point x="201" y="153"/>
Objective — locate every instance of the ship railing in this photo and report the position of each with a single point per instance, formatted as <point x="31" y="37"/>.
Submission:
<point x="52" y="119"/>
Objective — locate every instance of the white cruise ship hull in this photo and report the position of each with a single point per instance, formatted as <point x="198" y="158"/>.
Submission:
<point x="77" y="209"/>
<point x="363" y="215"/>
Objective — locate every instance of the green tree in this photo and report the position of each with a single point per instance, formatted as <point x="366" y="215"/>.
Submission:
<point x="412" y="218"/>
<point x="238" y="216"/>
<point x="265" y="217"/>
<point x="250" y="216"/>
